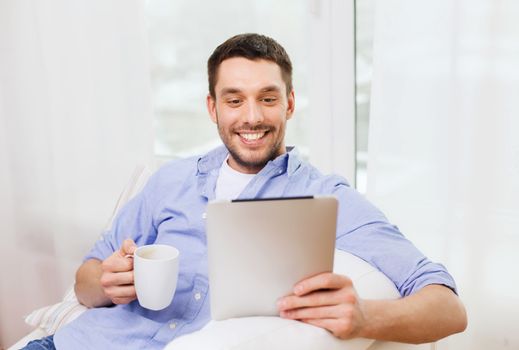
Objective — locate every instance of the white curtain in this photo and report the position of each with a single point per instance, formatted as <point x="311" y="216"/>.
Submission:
<point x="444" y="148"/>
<point x="75" y="119"/>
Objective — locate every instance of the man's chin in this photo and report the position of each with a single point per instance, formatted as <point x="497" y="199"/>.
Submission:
<point x="251" y="161"/>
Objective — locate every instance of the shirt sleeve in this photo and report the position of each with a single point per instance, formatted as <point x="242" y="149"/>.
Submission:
<point x="364" y="231"/>
<point x="135" y="221"/>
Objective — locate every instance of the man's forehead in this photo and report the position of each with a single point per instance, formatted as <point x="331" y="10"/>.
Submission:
<point x="238" y="73"/>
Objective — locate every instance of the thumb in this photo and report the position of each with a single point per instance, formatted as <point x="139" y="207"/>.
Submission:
<point x="128" y="247"/>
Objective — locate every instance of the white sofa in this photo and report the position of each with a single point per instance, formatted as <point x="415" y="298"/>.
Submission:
<point x="253" y="333"/>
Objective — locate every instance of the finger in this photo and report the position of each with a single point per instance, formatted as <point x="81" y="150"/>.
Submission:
<point x="319" y="298"/>
<point x="321" y="312"/>
<point x="120" y="301"/>
<point x="326" y="323"/>
<point x="128" y="247"/>
<point x="120" y="292"/>
<point x="326" y="280"/>
<point x="117" y="279"/>
<point x="342" y="328"/>
<point x="321" y="322"/>
<point x="117" y="263"/>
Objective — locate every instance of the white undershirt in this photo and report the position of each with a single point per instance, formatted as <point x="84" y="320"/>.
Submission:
<point x="230" y="182"/>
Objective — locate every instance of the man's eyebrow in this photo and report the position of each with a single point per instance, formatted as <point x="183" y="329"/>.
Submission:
<point x="271" y="88"/>
<point x="233" y="90"/>
<point x="230" y="90"/>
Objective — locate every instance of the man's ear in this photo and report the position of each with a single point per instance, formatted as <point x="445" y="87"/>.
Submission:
<point x="211" y="108"/>
<point x="291" y="104"/>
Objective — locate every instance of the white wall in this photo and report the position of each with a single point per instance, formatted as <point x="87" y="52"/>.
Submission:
<point x="75" y="118"/>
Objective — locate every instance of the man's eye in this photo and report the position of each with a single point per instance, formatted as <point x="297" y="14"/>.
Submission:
<point x="269" y="99"/>
<point x="234" y="101"/>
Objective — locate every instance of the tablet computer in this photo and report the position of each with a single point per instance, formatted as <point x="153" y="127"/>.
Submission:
<point x="259" y="249"/>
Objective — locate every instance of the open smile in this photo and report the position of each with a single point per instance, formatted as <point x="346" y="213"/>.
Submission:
<point x="254" y="137"/>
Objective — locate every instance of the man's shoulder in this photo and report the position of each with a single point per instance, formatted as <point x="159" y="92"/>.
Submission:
<point x="176" y="170"/>
<point x="319" y="182"/>
<point x="180" y="164"/>
<point x="189" y="166"/>
<point x="170" y="179"/>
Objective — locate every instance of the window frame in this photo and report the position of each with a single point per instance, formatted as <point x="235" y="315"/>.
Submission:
<point x="332" y="77"/>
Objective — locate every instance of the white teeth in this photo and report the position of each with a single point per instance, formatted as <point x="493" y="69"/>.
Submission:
<point x="252" y="137"/>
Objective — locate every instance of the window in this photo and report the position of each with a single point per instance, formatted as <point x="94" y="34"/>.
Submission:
<point x="318" y="36"/>
<point x="364" y="25"/>
<point x="182" y="37"/>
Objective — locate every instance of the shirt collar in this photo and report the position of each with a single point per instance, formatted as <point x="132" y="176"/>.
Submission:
<point x="213" y="160"/>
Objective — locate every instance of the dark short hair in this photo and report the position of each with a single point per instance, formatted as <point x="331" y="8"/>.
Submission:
<point x="253" y="47"/>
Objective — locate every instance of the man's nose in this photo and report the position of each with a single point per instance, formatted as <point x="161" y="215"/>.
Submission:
<point x="254" y="113"/>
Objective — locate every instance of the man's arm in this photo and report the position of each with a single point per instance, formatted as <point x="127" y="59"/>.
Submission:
<point x="107" y="282"/>
<point x="430" y="314"/>
<point x="331" y="302"/>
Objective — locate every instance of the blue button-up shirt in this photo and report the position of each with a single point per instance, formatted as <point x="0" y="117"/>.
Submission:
<point x="171" y="210"/>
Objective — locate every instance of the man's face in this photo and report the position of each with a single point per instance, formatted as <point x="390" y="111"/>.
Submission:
<point x="251" y="109"/>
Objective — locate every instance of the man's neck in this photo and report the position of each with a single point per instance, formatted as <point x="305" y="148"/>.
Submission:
<point x="249" y="168"/>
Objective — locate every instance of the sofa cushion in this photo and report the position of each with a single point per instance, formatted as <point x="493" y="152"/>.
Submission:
<point x="257" y="333"/>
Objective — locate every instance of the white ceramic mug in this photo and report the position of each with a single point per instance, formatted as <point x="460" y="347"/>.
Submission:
<point x="155" y="270"/>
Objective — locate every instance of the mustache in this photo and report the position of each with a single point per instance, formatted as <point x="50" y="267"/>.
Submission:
<point x="249" y="127"/>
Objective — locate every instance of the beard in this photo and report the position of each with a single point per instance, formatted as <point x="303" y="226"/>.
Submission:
<point x="253" y="159"/>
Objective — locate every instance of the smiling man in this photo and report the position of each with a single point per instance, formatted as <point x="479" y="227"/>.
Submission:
<point x="251" y="99"/>
<point x="250" y="103"/>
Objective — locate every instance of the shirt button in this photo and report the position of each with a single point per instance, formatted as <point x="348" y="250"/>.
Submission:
<point x="173" y="325"/>
<point x="197" y="296"/>
<point x="204" y="215"/>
